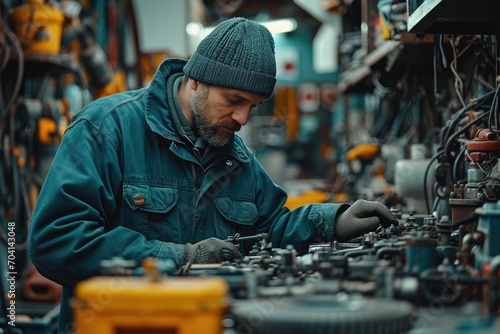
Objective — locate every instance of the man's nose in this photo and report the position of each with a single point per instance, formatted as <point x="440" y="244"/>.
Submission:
<point x="241" y="115"/>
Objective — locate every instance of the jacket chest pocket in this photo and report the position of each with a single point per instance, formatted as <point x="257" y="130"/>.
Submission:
<point x="151" y="211"/>
<point x="237" y="217"/>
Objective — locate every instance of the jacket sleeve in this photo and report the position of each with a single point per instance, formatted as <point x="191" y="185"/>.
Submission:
<point x="298" y="227"/>
<point x="70" y="231"/>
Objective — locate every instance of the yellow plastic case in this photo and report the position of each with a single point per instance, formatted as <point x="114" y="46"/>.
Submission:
<point x="123" y="305"/>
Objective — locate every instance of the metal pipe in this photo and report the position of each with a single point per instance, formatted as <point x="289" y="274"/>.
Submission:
<point x="493" y="300"/>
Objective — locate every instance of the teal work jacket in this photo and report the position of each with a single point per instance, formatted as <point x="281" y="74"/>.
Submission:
<point x="124" y="184"/>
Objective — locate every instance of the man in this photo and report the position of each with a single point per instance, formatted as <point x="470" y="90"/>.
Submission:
<point x="158" y="172"/>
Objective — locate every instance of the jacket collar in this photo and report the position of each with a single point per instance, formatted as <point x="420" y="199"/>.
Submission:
<point x="158" y="114"/>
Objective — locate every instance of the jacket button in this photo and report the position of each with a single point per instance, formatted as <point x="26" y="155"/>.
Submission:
<point x="229" y="162"/>
<point x="139" y="200"/>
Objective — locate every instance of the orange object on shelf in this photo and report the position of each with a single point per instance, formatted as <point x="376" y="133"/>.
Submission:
<point x="366" y="152"/>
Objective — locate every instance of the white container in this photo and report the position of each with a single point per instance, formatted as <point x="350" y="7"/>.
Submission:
<point x="409" y="179"/>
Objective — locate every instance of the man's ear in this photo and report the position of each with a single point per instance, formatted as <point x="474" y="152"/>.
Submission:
<point x="194" y="84"/>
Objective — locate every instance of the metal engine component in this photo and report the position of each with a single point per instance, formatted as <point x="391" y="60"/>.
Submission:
<point x="323" y="314"/>
<point x="480" y="154"/>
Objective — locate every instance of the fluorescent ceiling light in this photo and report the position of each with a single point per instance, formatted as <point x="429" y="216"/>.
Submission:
<point x="280" y="26"/>
<point x="275" y="27"/>
<point x="194" y="28"/>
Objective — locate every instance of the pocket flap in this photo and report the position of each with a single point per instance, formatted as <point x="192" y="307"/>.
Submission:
<point x="239" y="212"/>
<point x="148" y="198"/>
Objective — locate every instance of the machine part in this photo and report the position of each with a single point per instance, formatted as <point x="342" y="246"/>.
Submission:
<point x="322" y="314"/>
<point x="96" y="63"/>
<point x="452" y="286"/>
<point x="447" y="251"/>
<point x="474" y="176"/>
<point x="429" y="227"/>
<point x="117" y="84"/>
<point x="410" y="224"/>
<point x="76" y="98"/>
<point x="489" y="225"/>
<point x="94" y="58"/>
<point x="38" y="26"/>
<point x="242" y="283"/>
<point x="420" y="253"/>
<point x="485" y="141"/>
<point x="46" y="120"/>
<point x="322" y="246"/>
<point x="46" y="114"/>
<point x="465" y="200"/>
<point x="494" y="286"/>
<point x="480" y="153"/>
<point x="468" y="242"/>
<point x="396" y="211"/>
<point x="474" y="193"/>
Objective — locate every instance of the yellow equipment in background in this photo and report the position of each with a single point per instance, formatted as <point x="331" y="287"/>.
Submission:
<point x="38" y="26"/>
<point x="123" y="304"/>
<point x="308" y="197"/>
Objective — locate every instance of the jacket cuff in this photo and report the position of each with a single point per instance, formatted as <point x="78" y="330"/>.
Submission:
<point x="323" y="216"/>
<point x="174" y="252"/>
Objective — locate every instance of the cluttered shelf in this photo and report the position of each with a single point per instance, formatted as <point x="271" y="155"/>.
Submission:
<point x="454" y="17"/>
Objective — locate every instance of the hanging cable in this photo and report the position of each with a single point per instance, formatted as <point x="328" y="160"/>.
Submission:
<point x="20" y="69"/>
<point x="426" y="197"/>
<point x="456" y="165"/>
<point x="481" y="168"/>
<point x="459" y="114"/>
<point x="447" y="148"/>
<point x="459" y="85"/>
<point x="493" y="118"/>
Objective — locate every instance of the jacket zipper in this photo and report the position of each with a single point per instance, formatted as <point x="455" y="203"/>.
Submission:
<point x="195" y="182"/>
<point x="195" y="204"/>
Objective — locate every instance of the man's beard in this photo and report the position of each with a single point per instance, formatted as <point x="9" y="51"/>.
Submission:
<point x="206" y="131"/>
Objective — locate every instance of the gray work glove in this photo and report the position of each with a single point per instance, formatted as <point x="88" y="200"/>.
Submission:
<point x="211" y="250"/>
<point x="360" y="218"/>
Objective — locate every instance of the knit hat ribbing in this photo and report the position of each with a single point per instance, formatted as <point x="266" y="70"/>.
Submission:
<point x="238" y="54"/>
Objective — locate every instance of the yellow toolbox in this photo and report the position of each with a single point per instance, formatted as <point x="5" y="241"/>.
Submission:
<point x="125" y="305"/>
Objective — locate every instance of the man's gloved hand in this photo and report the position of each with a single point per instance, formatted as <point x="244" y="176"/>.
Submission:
<point x="211" y="250"/>
<point x="360" y="218"/>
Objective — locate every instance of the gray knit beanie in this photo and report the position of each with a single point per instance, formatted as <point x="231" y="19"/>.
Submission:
<point x="238" y="54"/>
